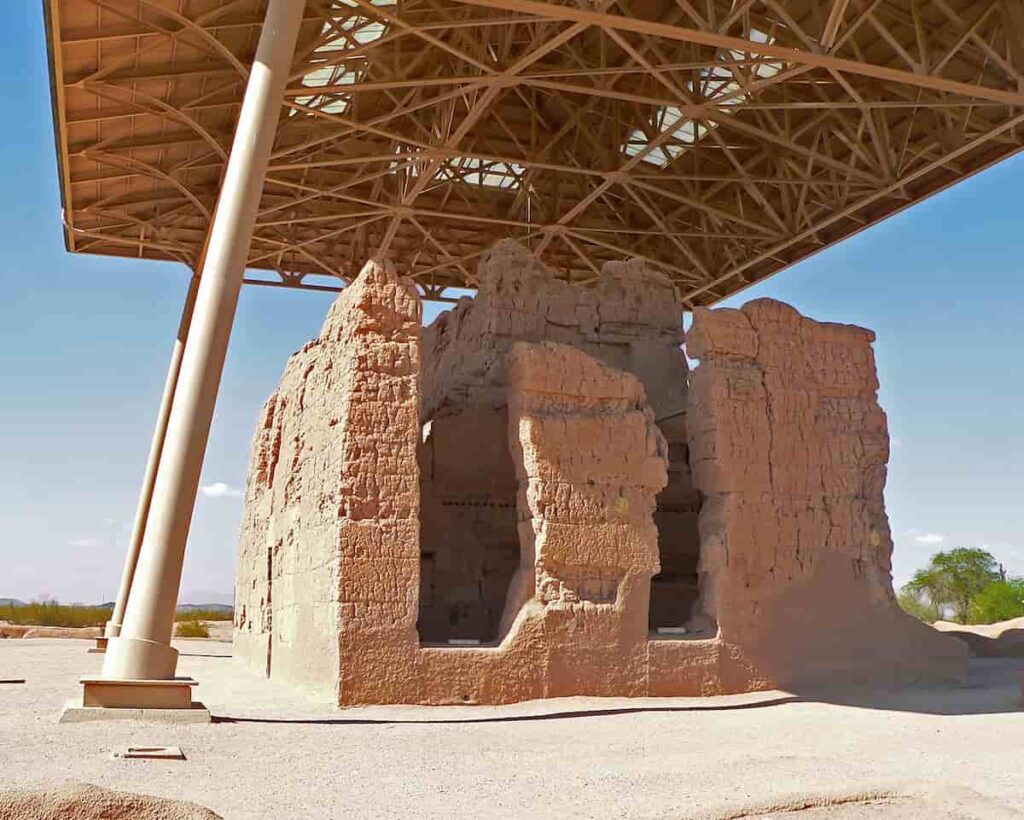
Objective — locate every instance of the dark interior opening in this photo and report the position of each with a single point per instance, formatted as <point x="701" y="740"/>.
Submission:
<point x="675" y="590"/>
<point x="469" y="540"/>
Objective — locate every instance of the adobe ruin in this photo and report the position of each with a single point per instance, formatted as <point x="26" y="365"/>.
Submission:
<point x="534" y="498"/>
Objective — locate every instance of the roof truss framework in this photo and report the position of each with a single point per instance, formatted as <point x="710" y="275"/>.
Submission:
<point x="721" y="139"/>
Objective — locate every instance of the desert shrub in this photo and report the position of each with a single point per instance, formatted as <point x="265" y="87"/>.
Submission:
<point x="999" y="601"/>
<point x="917" y="604"/>
<point x="204" y="615"/>
<point x="192" y="628"/>
<point x="50" y="613"/>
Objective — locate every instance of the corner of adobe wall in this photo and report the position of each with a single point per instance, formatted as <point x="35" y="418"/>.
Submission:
<point x="789" y="447"/>
<point x="378" y="554"/>
<point x="329" y="550"/>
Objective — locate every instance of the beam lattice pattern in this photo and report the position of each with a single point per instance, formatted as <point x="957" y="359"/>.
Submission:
<point x="723" y="140"/>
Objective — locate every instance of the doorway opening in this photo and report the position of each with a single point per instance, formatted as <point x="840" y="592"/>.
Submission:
<point x="675" y="590"/>
<point x="469" y="538"/>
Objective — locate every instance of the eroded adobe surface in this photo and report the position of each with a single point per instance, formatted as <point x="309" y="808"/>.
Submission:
<point x="329" y="543"/>
<point x="540" y="462"/>
<point x="631" y="319"/>
<point x="789" y="448"/>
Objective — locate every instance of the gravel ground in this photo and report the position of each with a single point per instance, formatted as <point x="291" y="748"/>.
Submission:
<point x="923" y="753"/>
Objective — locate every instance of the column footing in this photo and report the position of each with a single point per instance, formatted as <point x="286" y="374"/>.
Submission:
<point x="162" y="695"/>
<point x="74" y="712"/>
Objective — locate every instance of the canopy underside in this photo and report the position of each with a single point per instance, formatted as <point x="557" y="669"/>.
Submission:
<point x="723" y="140"/>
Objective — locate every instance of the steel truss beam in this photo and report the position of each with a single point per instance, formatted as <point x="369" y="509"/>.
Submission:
<point x="723" y="141"/>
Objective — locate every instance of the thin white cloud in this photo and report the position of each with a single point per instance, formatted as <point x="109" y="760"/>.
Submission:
<point x="85" y="543"/>
<point x="219" y="490"/>
<point x="929" y="538"/>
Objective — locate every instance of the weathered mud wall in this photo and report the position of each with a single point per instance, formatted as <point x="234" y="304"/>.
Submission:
<point x="789" y="448"/>
<point x="590" y="462"/>
<point x="631" y="319"/>
<point x="332" y="492"/>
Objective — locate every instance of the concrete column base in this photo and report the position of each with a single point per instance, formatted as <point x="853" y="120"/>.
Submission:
<point x="137" y="694"/>
<point x="100" y="648"/>
<point x="167" y="701"/>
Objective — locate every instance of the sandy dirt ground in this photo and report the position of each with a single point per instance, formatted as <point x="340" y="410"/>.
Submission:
<point x="925" y="753"/>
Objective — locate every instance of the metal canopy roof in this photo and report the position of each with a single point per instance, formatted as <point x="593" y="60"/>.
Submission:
<point x="721" y="139"/>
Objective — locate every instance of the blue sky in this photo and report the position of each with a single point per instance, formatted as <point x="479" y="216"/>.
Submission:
<point x="84" y="343"/>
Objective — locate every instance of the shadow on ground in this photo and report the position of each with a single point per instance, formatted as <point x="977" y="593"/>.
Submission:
<point x="201" y="655"/>
<point x="993" y="687"/>
<point x="564" y="715"/>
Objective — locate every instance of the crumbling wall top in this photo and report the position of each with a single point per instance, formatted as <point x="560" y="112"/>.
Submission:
<point x="630" y="318"/>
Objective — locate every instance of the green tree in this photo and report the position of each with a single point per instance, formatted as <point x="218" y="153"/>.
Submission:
<point x="999" y="601"/>
<point x="918" y="605"/>
<point x="954" y="579"/>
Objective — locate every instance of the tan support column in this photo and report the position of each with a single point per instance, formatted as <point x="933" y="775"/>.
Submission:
<point x="113" y="628"/>
<point x="142" y="651"/>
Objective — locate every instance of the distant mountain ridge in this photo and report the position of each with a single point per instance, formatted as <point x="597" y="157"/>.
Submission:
<point x="110" y="605"/>
<point x="206" y="607"/>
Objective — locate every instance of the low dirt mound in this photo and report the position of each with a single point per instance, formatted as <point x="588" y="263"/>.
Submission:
<point x="1005" y="639"/>
<point x="911" y="801"/>
<point x="84" y="802"/>
<point x="8" y="630"/>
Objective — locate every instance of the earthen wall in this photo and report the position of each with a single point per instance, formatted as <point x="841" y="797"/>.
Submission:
<point x="788" y="448"/>
<point x="630" y="319"/>
<point x="333" y="493"/>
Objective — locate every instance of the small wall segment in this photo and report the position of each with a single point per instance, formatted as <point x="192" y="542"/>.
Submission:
<point x="789" y="446"/>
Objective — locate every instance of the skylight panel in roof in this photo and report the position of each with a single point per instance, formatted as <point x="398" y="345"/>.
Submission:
<point x="715" y="82"/>
<point x="474" y="171"/>
<point x="483" y="173"/>
<point x="347" y="30"/>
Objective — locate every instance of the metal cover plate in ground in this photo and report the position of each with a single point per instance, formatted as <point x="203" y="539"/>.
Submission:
<point x="151" y="753"/>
